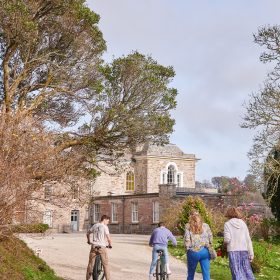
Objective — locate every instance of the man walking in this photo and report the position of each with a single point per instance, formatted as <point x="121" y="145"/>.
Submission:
<point x="159" y="241"/>
<point x="101" y="238"/>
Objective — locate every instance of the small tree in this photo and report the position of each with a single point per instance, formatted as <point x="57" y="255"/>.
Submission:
<point x="193" y="203"/>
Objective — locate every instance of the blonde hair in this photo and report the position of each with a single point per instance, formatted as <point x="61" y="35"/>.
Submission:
<point x="195" y="222"/>
<point x="233" y="212"/>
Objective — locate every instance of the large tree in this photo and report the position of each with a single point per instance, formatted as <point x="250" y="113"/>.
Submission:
<point x="272" y="177"/>
<point x="52" y="70"/>
<point x="263" y="109"/>
<point x="56" y="91"/>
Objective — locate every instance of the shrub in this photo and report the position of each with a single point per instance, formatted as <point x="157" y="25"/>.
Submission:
<point x="261" y="257"/>
<point x="193" y="203"/>
<point x="218" y="221"/>
<point x="269" y="229"/>
<point x="171" y="218"/>
<point x="30" y="228"/>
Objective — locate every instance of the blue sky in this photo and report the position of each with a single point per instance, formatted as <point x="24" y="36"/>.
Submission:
<point x="210" y="45"/>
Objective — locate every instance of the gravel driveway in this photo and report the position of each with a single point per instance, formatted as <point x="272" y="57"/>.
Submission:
<point x="67" y="254"/>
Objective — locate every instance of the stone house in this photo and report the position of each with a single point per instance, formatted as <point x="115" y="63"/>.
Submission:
<point x="135" y="189"/>
<point x="132" y="198"/>
<point x="151" y="180"/>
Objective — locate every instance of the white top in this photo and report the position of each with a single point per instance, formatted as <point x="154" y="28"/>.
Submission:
<point x="100" y="232"/>
<point x="237" y="237"/>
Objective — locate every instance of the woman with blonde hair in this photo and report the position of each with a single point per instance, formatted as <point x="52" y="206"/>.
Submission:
<point x="239" y="246"/>
<point x="198" y="238"/>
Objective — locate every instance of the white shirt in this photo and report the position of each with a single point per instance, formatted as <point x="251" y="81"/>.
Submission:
<point x="237" y="237"/>
<point x="100" y="232"/>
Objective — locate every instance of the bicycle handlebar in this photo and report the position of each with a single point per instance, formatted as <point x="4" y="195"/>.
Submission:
<point x="109" y="246"/>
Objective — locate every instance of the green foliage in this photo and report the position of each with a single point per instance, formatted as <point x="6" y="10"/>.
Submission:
<point x="269" y="229"/>
<point x="30" y="228"/>
<point x="267" y="257"/>
<point x="193" y="203"/>
<point x="18" y="262"/>
<point x="261" y="258"/>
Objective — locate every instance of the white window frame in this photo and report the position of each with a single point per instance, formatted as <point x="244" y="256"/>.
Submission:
<point x="180" y="183"/>
<point x="164" y="174"/>
<point x="134" y="212"/>
<point x="114" y="212"/>
<point x="96" y="213"/>
<point x="155" y="212"/>
<point x="48" y="214"/>
<point x="173" y="174"/>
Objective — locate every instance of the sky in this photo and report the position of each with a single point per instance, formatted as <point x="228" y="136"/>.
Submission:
<point x="210" y="45"/>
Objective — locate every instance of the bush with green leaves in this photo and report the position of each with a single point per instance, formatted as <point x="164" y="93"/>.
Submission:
<point x="193" y="203"/>
<point x="30" y="228"/>
<point x="261" y="256"/>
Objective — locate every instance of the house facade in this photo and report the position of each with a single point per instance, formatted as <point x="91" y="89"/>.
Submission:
<point x="130" y="197"/>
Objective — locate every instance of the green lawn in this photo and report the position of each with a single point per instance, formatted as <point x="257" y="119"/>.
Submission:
<point x="220" y="268"/>
<point x="17" y="262"/>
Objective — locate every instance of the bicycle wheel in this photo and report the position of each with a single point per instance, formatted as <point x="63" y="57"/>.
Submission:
<point x="158" y="270"/>
<point x="163" y="271"/>
<point x="98" y="270"/>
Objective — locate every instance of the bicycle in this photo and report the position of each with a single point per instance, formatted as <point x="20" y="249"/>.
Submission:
<point x="98" y="269"/>
<point x="161" y="273"/>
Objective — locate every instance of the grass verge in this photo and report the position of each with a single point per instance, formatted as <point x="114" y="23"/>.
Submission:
<point x="18" y="262"/>
<point x="220" y="267"/>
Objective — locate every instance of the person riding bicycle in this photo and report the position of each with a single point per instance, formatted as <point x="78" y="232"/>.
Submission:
<point x="101" y="237"/>
<point x="159" y="241"/>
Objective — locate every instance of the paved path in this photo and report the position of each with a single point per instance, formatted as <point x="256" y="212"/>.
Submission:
<point x="67" y="254"/>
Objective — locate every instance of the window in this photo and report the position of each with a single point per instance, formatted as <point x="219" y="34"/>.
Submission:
<point x="75" y="192"/>
<point x="47" y="218"/>
<point x="163" y="178"/>
<point x="114" y="214"/>
<point x="179" y="180"/>
<point x="134" y="208"/>
<point x="155" y="212"/>
<point x="48" y="193"/>
<point x="86" y="214"/>
<point x="96" y="213"/>
<point x="171" y="174"/>
<point x="130" y="181"/>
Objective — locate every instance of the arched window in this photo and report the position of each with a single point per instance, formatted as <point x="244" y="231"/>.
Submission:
<point x="130" y="181"/>
<point x="171" y="174"/>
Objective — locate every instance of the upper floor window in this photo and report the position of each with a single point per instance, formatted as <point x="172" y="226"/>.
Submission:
<point x="48" y="192"/>
<point x="130" y="181"/>
<point x="179" y="180"/>
<point x="171" y="174"/>
<point x="75" y="192"/>
<point x="96" y="213"/>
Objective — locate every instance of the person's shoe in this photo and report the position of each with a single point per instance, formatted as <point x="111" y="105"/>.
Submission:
<point x="150" y="276"/>
<point x="168" y="271"/>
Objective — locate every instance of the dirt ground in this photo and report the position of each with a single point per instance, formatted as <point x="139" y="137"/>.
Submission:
<point x="130" y="257"/>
